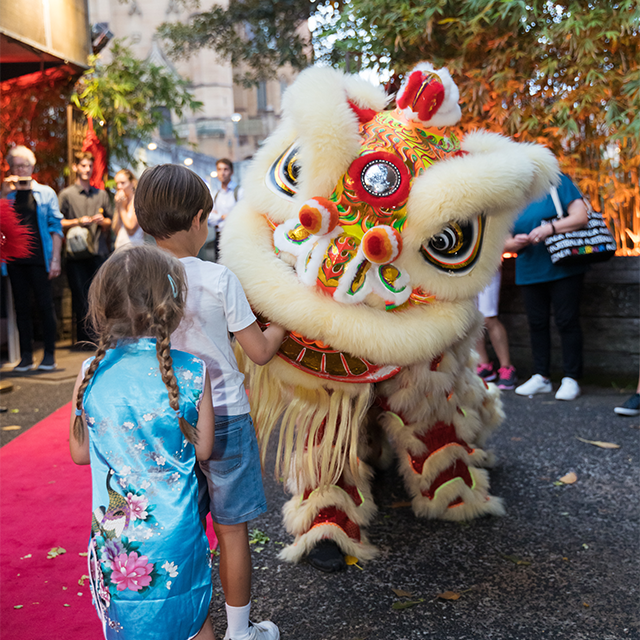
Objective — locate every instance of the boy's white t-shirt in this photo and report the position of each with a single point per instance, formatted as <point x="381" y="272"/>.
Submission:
<point x="216" y="304"/>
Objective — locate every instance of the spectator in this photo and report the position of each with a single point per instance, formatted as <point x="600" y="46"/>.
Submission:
<point x="488" y="300"/>
<point x="36" y="207"/>
<point x="125" y="223"/>
<point x="87" y="220"/>
<point x="224" y="199"/>
<point x="545" y="284"/>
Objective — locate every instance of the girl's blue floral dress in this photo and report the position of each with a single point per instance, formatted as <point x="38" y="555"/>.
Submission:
<point x="149" y="557"/>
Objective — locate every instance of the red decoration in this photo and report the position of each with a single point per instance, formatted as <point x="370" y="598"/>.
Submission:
<point x="337" y="517"/>
<point x="423" y="94"/>
<point x="382" y="244"/>
<point x="93" y="145"/>
<point x="16" y="240"/>
<point x="395" y="199"/>
<point x="439" y="436"/>
<point x="364" y="115"/>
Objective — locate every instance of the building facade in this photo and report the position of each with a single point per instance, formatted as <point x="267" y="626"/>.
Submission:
<point x="234" y="119"/>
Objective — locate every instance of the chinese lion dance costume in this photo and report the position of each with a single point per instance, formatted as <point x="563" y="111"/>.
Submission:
<point x="367" y="233"/>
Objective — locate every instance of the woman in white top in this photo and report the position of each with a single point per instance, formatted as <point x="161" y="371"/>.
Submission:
<point x="125" y="223"/>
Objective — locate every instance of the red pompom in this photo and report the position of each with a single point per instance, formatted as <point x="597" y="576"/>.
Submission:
<point x="16" y="240"/>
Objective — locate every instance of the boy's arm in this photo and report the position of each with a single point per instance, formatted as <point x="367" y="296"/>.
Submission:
<point x="79" y="450"/>
<point x="259" y="345"/>
<point x="206" y="423"/>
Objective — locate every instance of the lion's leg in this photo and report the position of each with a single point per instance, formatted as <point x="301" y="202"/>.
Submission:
<point x="436" y="416"/>
<point x="338" y="512"/>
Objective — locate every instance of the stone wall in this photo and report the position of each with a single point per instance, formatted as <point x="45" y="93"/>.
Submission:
<point x="610" y="322"/>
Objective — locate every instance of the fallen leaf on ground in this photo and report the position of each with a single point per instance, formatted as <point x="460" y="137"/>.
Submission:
<point x="82" y="579"/>
<point x="570" y="478"/>
<point x="27" y="556"/>
<point x="517" y="560"/>
<point x="599" y="443"/>
<point x="399" y="505"/>
<point x="448" y="595"/>
<point x="406" y="605"/>
<point x="402" y="594"/>
<point x="18" y="606"/>
<point x="12" y="427"/>
<point x="84" y="553"/>
<point x="55" y="551"/>
<point x="352" y="561"/>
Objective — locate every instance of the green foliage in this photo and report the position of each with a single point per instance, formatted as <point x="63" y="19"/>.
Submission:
<point x="256" y="36"/>
<point x="128" y="95"/>
<point x="562" y="73"/>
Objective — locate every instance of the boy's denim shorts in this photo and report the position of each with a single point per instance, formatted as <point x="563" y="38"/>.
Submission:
<point x="231" y="487"/>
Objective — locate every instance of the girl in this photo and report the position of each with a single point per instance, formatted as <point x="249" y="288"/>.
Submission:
<point x="143" y="417"/>
<point x="125" y="222"/>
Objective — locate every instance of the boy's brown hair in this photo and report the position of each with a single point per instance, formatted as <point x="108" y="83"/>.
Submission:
<point x="168" y="197"/>
<point x="82" y="155"/>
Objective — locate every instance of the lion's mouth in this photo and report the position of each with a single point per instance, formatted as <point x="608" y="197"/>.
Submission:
<point x="321" y="360"/>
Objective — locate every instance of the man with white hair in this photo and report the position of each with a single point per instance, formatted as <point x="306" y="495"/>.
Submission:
<point x="36" y="206"/>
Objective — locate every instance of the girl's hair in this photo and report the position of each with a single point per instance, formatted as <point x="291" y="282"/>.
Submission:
<point x="132" y="179"/>
<point x="139" y="291"/>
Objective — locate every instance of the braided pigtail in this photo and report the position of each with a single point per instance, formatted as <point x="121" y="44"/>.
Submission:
<point x="163" y="351"/>
<point x="78" y="427"/>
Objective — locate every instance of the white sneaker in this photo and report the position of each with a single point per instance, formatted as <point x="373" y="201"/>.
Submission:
<point x="569" y="390"/>
<point x="535" y="384"/>
<point x="259" y="631"/>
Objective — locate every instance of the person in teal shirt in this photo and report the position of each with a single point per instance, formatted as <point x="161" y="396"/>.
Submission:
<point x="545" y="285"/>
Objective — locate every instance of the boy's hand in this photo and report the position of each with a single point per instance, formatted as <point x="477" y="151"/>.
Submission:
<point x="259" y="345"/>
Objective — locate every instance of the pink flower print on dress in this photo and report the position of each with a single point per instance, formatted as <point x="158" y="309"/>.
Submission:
<point x="138" y="506"/>
<point x="131" y="572"/>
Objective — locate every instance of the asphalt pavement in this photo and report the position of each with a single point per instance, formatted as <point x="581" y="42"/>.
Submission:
<point x="561" y="564"/>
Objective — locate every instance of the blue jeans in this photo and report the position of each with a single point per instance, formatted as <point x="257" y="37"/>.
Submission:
<point x="233" y="491"/>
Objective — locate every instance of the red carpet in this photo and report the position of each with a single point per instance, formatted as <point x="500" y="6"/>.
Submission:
<point x="45" y="502"/>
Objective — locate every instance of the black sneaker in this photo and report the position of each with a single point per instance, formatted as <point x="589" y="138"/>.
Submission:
<point x="25" y="364"/>
<point x="631" y="407"/>
<point x="48" y="363"/>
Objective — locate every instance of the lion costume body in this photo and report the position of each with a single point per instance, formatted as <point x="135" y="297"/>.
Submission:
<point x="367" y="234"/>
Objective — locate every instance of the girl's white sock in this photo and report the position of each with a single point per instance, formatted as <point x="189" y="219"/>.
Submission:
<point x="238" y="620"/>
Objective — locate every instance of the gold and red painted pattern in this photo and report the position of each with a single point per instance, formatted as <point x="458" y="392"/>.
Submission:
<point x="417" y="146"/>
<point x="321" y="360"/>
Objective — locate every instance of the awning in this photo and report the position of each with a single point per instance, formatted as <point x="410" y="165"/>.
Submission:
<point x="39" y="35"/>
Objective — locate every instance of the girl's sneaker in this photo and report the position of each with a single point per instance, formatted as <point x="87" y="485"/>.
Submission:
<point x="486" y="372"/>
<point x="507" y="377"/>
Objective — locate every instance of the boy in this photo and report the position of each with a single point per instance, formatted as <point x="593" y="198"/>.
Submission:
<point x="172" y="204"/>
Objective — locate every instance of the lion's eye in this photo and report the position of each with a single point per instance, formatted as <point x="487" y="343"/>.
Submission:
<point x="282" y="177"/>
<point x="456" y="248"/>
<point x="381" y="178"/>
